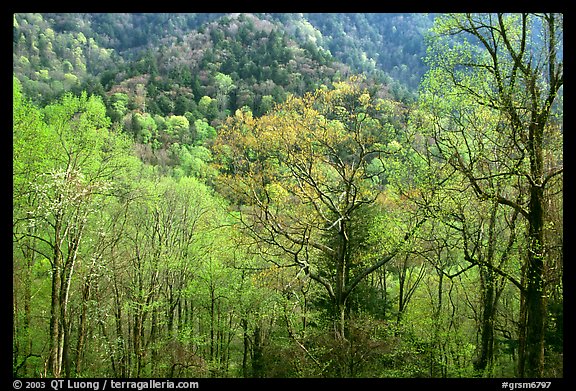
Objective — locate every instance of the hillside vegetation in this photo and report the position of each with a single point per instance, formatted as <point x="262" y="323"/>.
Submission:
<point x="287" y="195"/>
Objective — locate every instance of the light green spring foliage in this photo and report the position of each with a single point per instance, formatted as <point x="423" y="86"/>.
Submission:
<point x="161" y="249"/>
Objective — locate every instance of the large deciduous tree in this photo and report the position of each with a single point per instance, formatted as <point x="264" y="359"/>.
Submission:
<point x="493" y="96"/>
<point x="306" y="176"/>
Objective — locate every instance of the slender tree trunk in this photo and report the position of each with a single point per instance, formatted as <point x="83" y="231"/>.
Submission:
<point x="55" y="320"/>
<point x="122" y="364"/>
<point x="138" y="341"/>
<point x="212" y="321"/>
<point x="65" y="298"/>
<point x="219" y="337"/>
<point x="487" y="321"/>
<point x="340" y="304"/>
<point x="401" y="281"/>
<point x="29" y="260"/>
<point x="150" y="343"/>
<point x="437" y="354"/>
<point x="382" y="277"/>
<point x="67" y="328"/>
<point x="82" y="325"/>
<point x="120" y="344"/>
<point x="341" y="332"/>
<point x="341" y="281"/>
<point x="246" y="341"/>
<point x="229" y="338"/>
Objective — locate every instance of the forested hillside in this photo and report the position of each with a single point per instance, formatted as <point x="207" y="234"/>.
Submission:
<point x="288" y="195"/>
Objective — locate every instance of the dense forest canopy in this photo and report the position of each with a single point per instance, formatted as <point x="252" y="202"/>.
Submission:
<point x="287" y="195"/>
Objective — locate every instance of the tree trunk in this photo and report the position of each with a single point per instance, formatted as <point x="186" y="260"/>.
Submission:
<point x="246" y="341"/>
<point x="55" y="320"/>
<point x="65" y="346"/>
<point x="64" y="300"/>
<point x="487" y="322"/>
<point x="120" y="344"/>
<point x="401" y="281"/>
<point x="257" y="354"/>
<point x="436" y="351"/>
<point x="82" y="325"/>
<point x="383" y="289"/>
<point x="212" y="321"/>
<point x="532" y="347"/>
<point x="489" y="299"/>
<point x="341" y="322"/>
<point x="532" y="350"/>
<point x="342" y="273"/>
<point x="29" y="260"/>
